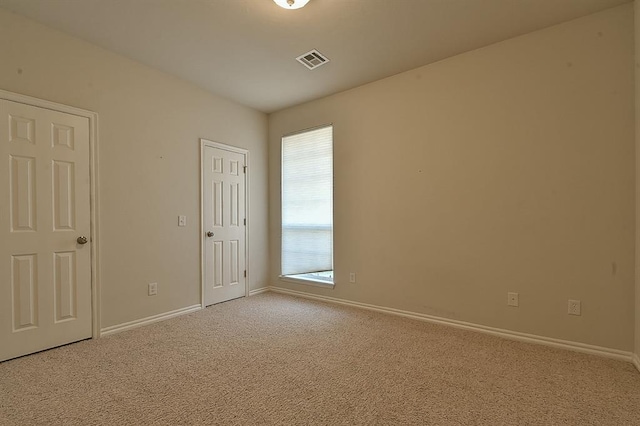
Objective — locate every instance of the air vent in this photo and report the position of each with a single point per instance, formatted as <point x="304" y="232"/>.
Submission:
<point x="312" y="59"/>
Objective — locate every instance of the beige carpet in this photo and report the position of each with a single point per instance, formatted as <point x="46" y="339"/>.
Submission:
<point x="274" y="359"/>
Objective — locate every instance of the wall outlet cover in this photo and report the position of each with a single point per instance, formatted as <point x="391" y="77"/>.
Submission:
<point x="575" y="307"/>
<point x="153" y="289"/>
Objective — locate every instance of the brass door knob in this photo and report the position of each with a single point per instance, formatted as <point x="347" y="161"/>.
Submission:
<point x="82" y="240"/>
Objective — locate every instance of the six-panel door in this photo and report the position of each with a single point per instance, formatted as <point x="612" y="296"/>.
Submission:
<point x="224" y="225"/>
<point x="45" y="274"/>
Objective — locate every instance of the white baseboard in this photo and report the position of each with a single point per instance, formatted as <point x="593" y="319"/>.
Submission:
<point x="507" y="334"/>
<point x="258" y="291"/>
<point x="636" y="361"/>
<point x="148" y="320"/>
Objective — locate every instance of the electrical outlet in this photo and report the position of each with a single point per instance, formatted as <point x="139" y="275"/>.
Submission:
<point x="153" y="289"/>
<point x="182" y="221"/>
<point x="574" y="307"/>
<point x="352" y="277"/>
<point x="512" y="299"/>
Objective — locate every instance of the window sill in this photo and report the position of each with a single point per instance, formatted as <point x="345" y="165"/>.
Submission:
<point x="306" y="281"/>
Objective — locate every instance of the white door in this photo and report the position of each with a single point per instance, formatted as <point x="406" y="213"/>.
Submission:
<point x="45" y="270"/>
<point x="224" y="224"/>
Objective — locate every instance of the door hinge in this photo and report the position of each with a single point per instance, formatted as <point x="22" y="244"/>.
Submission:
<point x="245" y="169"/>
<point x="245" y="221"/>
<point x="245" y="274"/>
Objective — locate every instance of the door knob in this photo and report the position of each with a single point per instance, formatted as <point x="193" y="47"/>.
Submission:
<point x="210" y="234"/>
<point x="82" y="240"/>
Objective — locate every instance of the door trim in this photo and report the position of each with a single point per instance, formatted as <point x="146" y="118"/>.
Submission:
<point x="212" y="144"/>
<point x="93" y="188"/>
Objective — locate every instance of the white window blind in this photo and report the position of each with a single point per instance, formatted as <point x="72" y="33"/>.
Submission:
<point x="307" y="202"/>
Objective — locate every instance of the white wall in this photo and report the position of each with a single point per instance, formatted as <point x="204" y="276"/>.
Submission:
<point x="149" y="129"/>
<point x="509" y="168"/>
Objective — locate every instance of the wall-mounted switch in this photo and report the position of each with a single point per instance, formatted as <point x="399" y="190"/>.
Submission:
<point x="182" y="221"/>
<point x="513" y="299"/>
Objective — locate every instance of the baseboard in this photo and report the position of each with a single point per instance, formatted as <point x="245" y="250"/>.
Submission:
<point x="148" y="320"/>
<point x="636" y="361"/>
<point x="258" y="291"/>
<point x="507" y="334"/>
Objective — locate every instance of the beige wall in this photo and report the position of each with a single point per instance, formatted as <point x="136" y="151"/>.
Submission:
<point x="149" y="129"/>
<point x="509" y="168"/>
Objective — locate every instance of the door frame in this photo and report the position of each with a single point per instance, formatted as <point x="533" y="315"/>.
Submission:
<point x="212" y="144"/>
<point x="93" y="191"/>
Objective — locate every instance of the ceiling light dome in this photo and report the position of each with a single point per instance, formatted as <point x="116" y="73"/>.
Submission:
<point x="291" y="4"/>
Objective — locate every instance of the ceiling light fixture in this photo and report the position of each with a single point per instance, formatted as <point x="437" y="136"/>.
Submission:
<point x="291" y="4"/>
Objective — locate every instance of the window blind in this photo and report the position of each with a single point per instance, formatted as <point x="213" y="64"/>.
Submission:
<point x="307" y="202"/>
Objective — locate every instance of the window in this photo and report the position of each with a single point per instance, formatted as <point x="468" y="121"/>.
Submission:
<point x="307" y="206"/>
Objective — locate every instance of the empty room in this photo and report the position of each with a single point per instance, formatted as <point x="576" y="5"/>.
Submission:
<point x="341" y="212"/>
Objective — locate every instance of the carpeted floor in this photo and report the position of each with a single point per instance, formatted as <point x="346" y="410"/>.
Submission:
<point x="275" y="359"/>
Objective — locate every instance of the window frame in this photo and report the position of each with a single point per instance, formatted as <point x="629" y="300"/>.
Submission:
<point x="293" y="278"/>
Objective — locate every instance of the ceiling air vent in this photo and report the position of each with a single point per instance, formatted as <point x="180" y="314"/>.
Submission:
<point x="312" y="59"/>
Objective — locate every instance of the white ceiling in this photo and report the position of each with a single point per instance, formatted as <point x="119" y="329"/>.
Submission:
<point x="245" y="50"/>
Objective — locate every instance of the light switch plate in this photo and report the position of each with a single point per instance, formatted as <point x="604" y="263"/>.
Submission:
<point x="182" y="221"/>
